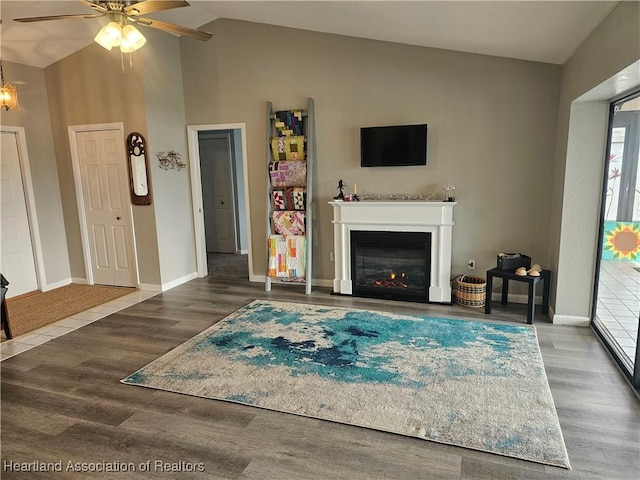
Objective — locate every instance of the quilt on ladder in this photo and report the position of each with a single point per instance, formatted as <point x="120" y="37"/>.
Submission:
<point x="288" y="148"/>
<point x="288" y="174"/>
<point x="287" y="256"/>
<point x="289" y="198"/>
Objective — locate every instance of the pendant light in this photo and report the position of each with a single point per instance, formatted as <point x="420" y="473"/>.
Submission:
<point x="8" y="93"/>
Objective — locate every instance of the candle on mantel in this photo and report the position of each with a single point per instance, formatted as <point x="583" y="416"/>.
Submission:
<point x="355" y="189"/>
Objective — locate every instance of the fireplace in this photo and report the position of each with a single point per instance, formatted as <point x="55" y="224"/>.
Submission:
<point x="391" y="265"/>
<point x="430" y="217"/>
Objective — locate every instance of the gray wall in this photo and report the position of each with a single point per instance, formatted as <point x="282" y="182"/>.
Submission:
<point x="577" y="186"/>
<point x="492" y="127"/>
<point x="33" y="116"/>
<point x="166" y="129"/>
<point x="90" y="87"/>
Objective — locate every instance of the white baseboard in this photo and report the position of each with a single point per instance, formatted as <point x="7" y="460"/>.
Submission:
<point x="314" y="282"/>
<point x="150" y="287"/>
<point x="54" y="285"/>
<point x="256" y="278"/>
<point x="81" y="281"/>
<point x="571" y="320"/>
<point x="179" y="281"/>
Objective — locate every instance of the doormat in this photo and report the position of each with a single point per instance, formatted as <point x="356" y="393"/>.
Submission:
<point x="44" y="308"/>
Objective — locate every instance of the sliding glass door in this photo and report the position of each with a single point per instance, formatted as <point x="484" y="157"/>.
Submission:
<point x="616" y="311"/>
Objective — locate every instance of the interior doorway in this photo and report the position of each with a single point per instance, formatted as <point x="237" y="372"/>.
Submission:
<point x="218" y="166"/>
<point x="218" y="191"/>
<point x="616" y="312"/>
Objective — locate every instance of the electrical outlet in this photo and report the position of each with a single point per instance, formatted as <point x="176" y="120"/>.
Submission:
<point x="331" y="257"/>
<point x="471" y="264"/>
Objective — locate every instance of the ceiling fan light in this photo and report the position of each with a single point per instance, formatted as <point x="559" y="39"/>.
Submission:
<point x="109" y="36"/>
<point x="132" y="39"/>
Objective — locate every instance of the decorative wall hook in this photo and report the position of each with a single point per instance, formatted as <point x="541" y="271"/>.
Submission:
<point x="170" y="160"/>
<point x="138" y="169"/>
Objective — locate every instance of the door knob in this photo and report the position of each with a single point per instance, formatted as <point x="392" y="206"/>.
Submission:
<point x="117" y="218"/>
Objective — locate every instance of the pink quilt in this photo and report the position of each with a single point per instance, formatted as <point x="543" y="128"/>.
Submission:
<point x="288" y="222"/>
<point x="288" y="174"/>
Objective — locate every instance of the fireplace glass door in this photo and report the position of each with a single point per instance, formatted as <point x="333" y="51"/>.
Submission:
<point x="391" y="265"/>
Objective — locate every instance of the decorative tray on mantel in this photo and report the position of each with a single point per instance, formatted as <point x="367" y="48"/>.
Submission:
<point x="398" y="197"/>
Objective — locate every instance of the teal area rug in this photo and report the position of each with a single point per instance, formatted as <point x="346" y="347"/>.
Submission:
<point x="473" y="384"/>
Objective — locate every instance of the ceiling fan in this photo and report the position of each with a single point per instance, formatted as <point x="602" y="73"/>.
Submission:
<point x="123" y="15"/>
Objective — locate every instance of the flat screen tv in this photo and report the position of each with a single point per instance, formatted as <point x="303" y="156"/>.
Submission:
<point x="393" y="146"/>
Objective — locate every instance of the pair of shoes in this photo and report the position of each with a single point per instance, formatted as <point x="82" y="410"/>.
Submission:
<point x="535" y="270"/>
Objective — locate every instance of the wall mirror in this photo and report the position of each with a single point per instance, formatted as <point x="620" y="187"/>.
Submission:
<point x="138" y="169"/>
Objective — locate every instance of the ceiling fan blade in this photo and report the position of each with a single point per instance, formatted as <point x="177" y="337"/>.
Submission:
<point x="149" y="6"/>
<point x="177" y="29"/>
<point x="94" y="5"/>
<point x="58" y="17"/>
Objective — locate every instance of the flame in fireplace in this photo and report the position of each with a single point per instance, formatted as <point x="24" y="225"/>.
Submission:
<point x="394" y="280"/>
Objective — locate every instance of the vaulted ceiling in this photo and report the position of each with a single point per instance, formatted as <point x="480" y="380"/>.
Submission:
<point x="543" y="31"/>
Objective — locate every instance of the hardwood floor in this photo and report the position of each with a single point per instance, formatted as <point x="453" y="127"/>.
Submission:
<point x="62" y="401"/>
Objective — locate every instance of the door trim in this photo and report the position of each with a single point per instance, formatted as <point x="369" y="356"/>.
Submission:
<point x="77" y="179"/>
<point x="30" y="201"/>
<point x="196" y="192"/>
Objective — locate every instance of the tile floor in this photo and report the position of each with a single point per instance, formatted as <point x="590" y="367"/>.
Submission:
<point x="619" y="303"/>
<point x="9" y="348"/>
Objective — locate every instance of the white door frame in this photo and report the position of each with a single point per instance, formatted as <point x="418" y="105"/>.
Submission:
<point x="30" y="202"/>
<point x="77" y="178"/>
<point x="196" y="191"/>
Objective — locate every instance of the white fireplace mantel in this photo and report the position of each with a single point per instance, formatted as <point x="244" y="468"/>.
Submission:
<point x="395" y="216"/>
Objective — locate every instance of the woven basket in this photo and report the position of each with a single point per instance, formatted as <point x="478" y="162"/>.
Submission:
<point x="471" y="291"/>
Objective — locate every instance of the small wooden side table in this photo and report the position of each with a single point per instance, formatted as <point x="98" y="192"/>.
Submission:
<point x="506" y="275"/>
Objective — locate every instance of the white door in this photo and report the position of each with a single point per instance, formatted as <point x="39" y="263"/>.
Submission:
<point x="217" y="193"/>
<point x="18" y="264"/>
<point x="105" y="194"/>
